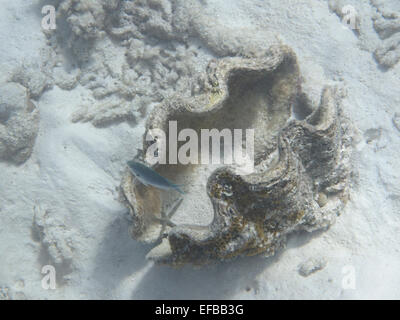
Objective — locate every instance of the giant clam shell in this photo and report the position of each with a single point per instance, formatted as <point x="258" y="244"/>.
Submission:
<point x="301" y="164"/>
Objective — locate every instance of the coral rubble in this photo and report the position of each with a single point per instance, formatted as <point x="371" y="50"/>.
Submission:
<point x="133" y="54"/>
<point x="19" y="123"/>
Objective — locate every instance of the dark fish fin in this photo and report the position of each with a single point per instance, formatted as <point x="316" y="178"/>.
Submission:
<point x="176" y="187"/>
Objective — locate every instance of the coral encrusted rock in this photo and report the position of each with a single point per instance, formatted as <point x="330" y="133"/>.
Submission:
<point x="301" y="157"/>
<point x="19" y="123"/>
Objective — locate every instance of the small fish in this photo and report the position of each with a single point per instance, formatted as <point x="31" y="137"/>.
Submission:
<point x="148" y="176"/>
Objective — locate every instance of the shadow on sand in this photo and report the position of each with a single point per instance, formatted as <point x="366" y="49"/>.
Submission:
<point x="219" y="281"/>
<point x="118" y="257"/>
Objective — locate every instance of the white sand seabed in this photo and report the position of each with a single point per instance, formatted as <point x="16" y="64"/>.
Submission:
<point x="75" y="169"/>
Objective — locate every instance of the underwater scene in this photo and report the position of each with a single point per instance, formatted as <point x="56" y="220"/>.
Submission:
<point x="199" y="150"/>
